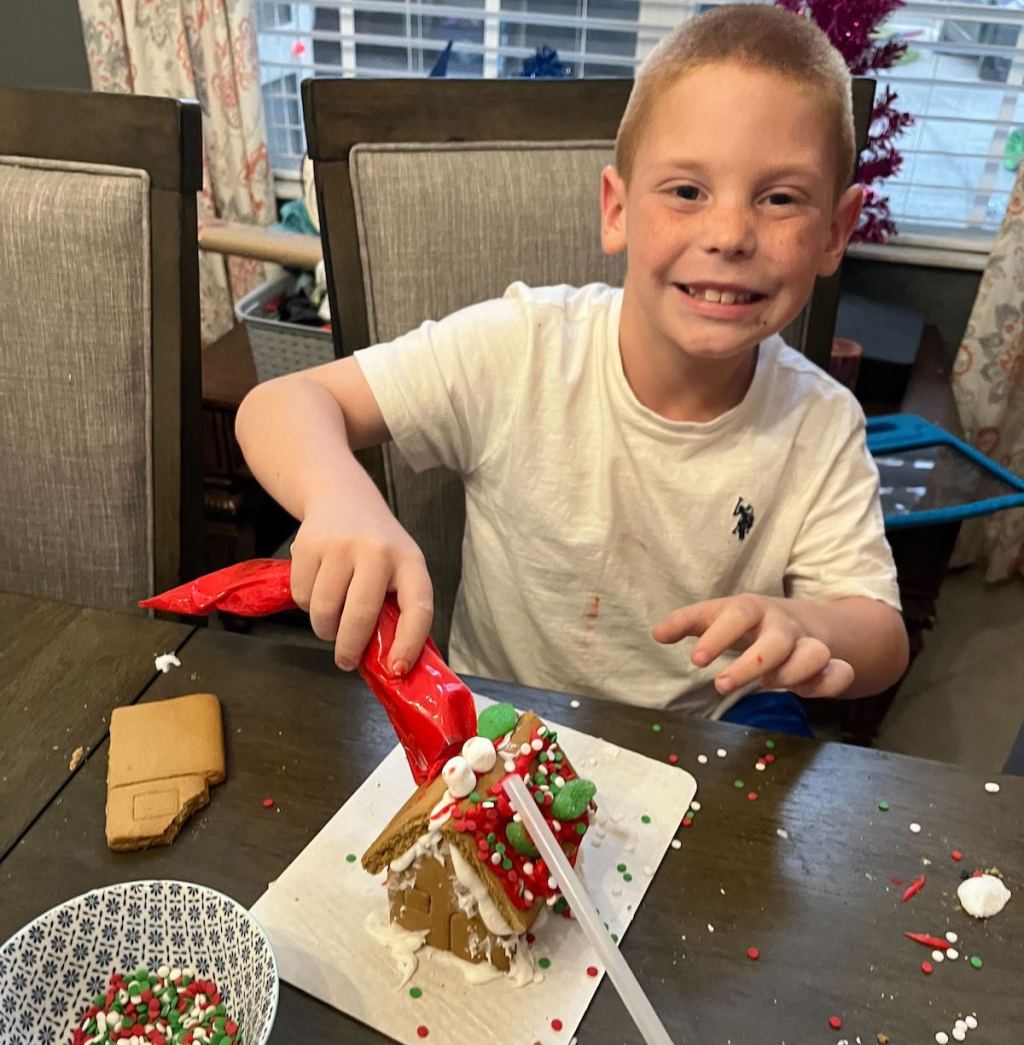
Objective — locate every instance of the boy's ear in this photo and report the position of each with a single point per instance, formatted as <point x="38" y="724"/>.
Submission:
<point x="845" y="216"/>
<point x="613" y="211"/>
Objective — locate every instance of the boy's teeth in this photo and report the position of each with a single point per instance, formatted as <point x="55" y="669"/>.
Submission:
<point x="726" y="297"/>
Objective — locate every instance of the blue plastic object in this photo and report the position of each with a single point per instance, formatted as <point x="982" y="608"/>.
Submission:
<point x="900" y="433"/>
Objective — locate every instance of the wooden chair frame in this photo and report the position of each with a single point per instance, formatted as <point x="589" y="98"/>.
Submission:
<point x="162" y="136"/>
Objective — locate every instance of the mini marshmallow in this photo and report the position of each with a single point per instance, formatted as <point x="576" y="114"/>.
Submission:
<point x="458" y="776"/>
<point x="480" y="754"/>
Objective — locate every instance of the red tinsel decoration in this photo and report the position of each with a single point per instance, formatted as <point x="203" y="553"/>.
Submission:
<point x="852" y="25"/>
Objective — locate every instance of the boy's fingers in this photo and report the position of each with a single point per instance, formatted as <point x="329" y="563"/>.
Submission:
<point x="808" y="659"/>
<point x="302" y="578"/>
<point x="687" y="620"/>
<point x="833" y="681"/>
<point x="769" y="652"/>
<point x="328" y="597"/>
<point x="734" y="621"/>
<point x="416" y="602"/>
<point x="359" y="616"/>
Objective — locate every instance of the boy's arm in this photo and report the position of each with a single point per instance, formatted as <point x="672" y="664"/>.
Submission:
<point x="297" y="434"/>
<point x="852" y="647"/>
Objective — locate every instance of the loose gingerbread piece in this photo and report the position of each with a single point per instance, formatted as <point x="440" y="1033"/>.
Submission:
<point x="163" y="758"/>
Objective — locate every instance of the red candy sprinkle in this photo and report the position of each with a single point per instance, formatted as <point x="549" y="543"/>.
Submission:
<point x="556" y="1024"/>
<point x="268" y="803"/>
<point x="530" y="937"/>
<point x="753" y="953"/>
<point x="673" y="759"/>
<point x="768" y="758"/>
<point x="914" y="888"/>
<point x="752" y="795"/>
<point x="835" y="1022"/>
<point x="927" y="968"/>
<point x="687" y="821"/>
<point x="591" y="970"/>
<point x="957" y="855"/>
<point x="422" y="1031"/>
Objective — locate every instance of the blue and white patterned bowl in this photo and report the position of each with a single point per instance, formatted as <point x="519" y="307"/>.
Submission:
<point x="51" y="969"/>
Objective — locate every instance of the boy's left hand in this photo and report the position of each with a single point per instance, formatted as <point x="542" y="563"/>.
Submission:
<point x="782" y="652"/>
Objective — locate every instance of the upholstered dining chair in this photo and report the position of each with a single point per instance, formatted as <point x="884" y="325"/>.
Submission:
<point x="100" y="475"/>
<point x="434" y="194"/>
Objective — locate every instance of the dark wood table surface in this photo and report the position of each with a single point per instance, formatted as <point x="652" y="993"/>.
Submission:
<point x="62" y="669"/>
<point x="819" y="904"/>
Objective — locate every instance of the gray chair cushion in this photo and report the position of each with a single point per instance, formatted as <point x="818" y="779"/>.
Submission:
<point x="76" y="513"/>
<point x="445" y="226"/>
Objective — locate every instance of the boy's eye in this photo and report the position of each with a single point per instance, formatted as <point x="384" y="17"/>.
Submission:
<point x="779" y="199"/>
<point x="686" y="192"/>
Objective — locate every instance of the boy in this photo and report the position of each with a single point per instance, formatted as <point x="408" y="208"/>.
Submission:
<point x="653" y="457"/>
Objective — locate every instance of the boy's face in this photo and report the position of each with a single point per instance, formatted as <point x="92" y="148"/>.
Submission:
<point x="729" y="213"/>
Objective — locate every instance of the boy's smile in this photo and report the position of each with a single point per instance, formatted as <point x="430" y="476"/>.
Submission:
<point x="728" y="217"/>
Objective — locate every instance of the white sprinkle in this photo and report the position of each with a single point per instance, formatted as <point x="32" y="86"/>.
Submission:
<point x="559" y="781"/>
<point x="952" y="936"/>
<point x="961" y="1024"/>
<point x="695" y="806"/>
<point x="992" y="787"/>
<point x="528" y="869"/>
<point x="616" y="889"/>
<point x="165" y="661"/>
<point x="782" y="832"/>
<point x="711" y="928"/>
<point x="528" y="896"/>
<point x="542" y="731"/>
<point x="952" y="953"/>
<point x="551" y="901"/>
<point x="702" y="759"/>
<point x="676" y="844"/>
<point x="516" y="818"/>
<point x="721" y="752"/>
<point x="648" y="870"/>
<point x="942" y="1037"/>
<point x="510" y="766"/>
<point x="524" y="748"/>
<point x="537" y="745"/>
<point x="495" y="858"/>
<point x="760" y="767"/>
<point x="937" y="956"/>
<point x="915" y="828"/>
<point x="556" y="825"/>
<point x="926" y="861"/>
<point x="552" y="884"/>
<point x="971" y="1022"/>
<point x="574" y="703"/>
<point x="959" y="1033"/>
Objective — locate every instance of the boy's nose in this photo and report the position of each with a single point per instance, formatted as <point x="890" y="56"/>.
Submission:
<point x="729" y="231"/>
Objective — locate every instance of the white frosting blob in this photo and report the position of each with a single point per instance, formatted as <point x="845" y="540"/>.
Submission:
<point x="459" y="776"/>
<point x="983" y="896"/>
<point x="480" y="754"/>
<point x="488" y="909"/>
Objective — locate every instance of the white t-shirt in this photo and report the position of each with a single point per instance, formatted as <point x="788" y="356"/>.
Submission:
<point x="589" y="517"/>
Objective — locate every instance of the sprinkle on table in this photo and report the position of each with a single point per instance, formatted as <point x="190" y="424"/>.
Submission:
<point x="915" y="828"/>
<point x="422" y="1030"/>
<point x="752" y="796"/>
<point x="927" y="968"/>
<point x="415" y="992"/>
<point x="768" y="758"/>
<point x="544" y="963"/>
<point x="738" y="784"/>
<point x="351" y="858"/>
<point x="592" y="970"/>
<point x="687" y="820"/>
<point x="956" y="855"/>
<point x="884" y="806"/>
<point x="556" y="1025"/>
<point x="702" y="759"/>
<point x="574" y="703"/>
<point x="656" y="728"/>
<point x="914" y="888"/>
<point x="673" y="759"/>
<point x="835" y="1022"/>
<point x="645" y="819"/>
<point x="676" y="844"/>
<point x="770" y="744"/>
<point x="753" y="953"/>
<point x="760" y="766"/>
<point x="268" y="803"/>
<point x="721" y="752"/>
<point x="992" y="787"/>
<point x="976" y="962"/>
<point x="695" y="806"/>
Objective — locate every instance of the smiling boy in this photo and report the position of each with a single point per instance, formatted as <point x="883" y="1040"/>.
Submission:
<point x="653" y="457"/>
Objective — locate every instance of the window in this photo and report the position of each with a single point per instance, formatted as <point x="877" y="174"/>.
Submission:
<point x="962" y="78"/>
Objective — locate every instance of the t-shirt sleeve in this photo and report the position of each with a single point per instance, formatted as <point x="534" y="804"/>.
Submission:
<point x="446" y="390"/>
<point x="841" y="549"/>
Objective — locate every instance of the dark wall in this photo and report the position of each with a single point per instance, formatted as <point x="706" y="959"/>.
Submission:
<point x="944" y="296"/>
<point x="41" y="45"/>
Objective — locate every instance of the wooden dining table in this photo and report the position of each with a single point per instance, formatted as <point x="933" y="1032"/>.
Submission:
<point x="806" y="860"/>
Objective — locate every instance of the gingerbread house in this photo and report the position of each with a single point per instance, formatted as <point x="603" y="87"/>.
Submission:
<point x="460" y="865"/>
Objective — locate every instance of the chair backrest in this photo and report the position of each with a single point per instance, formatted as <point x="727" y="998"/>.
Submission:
<point x="100" y="453"/>
<point x="435" y="194"/>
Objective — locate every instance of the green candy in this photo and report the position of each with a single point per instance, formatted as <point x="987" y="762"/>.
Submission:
<point x="496" y="721"/>
<point x="573" y="799"/>
<point x="519" y="839"/>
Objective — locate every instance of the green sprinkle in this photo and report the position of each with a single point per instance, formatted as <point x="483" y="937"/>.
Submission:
<point x="351" y="858"/>
<point x="620" y="868"/>
<point x="500" y="847"/>
<point x="770" y="744"/>
<point x="544" y="963"/>
<point x="615" y="937"/>
<point x="581" y="828"/>
<point x="737" y="783"/>
<point x="645" y="819"/>
<point x="976" y="961"/>
<point x="627" y="877"/>
<point x="415" y="992"/>
<point x="560" y="905"/>
<point x="539" y="778"/>
<point x="655" y="728"/>
<point x="474" y="796"/>
<point x="539" y="795"/>
<point x="491" y="837"/>
<point x="506" y="864"/>
<point x="884" y="806"/>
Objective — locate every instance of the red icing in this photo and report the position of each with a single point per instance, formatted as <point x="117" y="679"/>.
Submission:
<point x="479" y="822"/>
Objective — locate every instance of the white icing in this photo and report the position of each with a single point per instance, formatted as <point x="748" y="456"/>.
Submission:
<point x="165" y="661"/>
<point x="983" y="896"/>
<point x="480" y="754"/>
<point x="459" y="777"/>
<point x="488" y="909"/>
<point x="402" y="943"/>
<point x="428" y="843"/>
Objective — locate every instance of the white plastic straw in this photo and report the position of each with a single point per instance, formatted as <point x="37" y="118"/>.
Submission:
<point x="583" y="909"/>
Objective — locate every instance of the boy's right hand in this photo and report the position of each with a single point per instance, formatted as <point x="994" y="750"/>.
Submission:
<point x="344" y="562"/>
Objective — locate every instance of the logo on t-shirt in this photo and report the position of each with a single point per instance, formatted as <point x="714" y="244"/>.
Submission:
<point x="744" y="514"/>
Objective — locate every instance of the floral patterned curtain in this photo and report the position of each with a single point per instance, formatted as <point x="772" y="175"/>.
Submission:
<point x="988" y="382"/>
<point x="203" y="49"/>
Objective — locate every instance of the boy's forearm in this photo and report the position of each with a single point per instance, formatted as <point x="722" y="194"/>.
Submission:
<point x="293" y="436"/>
<point x="864" y="632"/>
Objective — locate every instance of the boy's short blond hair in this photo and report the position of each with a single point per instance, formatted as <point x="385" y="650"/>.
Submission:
<point x="757" y="36"/>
